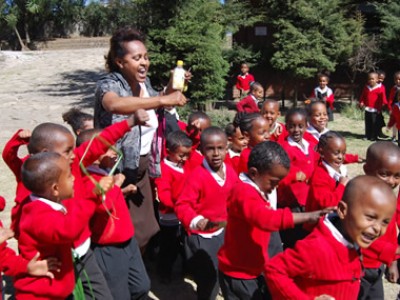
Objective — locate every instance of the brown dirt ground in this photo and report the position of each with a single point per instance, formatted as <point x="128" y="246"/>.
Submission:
<point x="38" y="87"/>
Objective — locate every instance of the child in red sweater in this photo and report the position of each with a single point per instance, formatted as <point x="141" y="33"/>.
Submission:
<point x="317" y="121"/>
<point x="237" y="142"/>
<point x="249" y="104"/>
<point x="202" y="209"/>
<point x="169" y="187"/>
<point x="112" y="232"/>
<point x="394" y="120"/>
<point x="251" y="221"/>
<point x="393" y="98"/>
<point x="244" y="79"/>
<point x="372" y="99"/>
<point x="327" y="263"/>
<point x="270" y="111"/>
<point x="324" y="94"/>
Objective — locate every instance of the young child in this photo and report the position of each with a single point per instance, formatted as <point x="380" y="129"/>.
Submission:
<point x="112" y="232"/>
<point x="329" y="179"/>
<point x="244" y="79"/>
<point x="324" y="93"/>
<point x="201" y="207"/>
<point x="169" y="187"/>
<point x="47" y="226"/>
<point x="249" y="104"/>
<point x="78" y="120"/>
<point x="251" y="221"/>
<point x="394" y="98"/>
<point x="372" y="99"/>
<point x="270" y="111"/>
<point x="381" y="119"/>
<point x="383" y="162"/>
<point x="317" y="121"/>
<point x="236" y="143"/>
<point x="327" y="264"/>
<point x="255" y="129"/>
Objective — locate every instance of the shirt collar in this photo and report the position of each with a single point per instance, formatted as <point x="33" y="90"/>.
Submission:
<point x="374" y="88"/>
<point x="336" y="233"/>
<point x="294" y="144"/>
<point x="233" y="153"/>
<point x="54" y="205"/>
<point x="315" y="133"/>
<point x="214" y="174"/>
<point x="333" y="173"/>
<point x="246" y="179"/>
<point x="173" y="165"/>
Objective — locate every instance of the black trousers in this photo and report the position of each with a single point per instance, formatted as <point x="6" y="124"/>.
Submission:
<point x="371" y="125"/>
<point x="372" y="285"/>
<point x="242" y="289"/>
<point x="124" y="270"/>
<point x="202" y="263"/>
<point x="330" y="112"/>
<point x="275" y="244"/>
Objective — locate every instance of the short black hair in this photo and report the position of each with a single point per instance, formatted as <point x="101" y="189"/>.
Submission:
<point x="379" y="151"/>
<point x="86" y="135"/>
<point x="310" y="106"/>
<point x="267" y="154"/>
<point x="230" y="130"/>
<point x="254" y="86"/>
<point x="324" y="139"/>
<point x="212" y="130"/>
<point x="40" y="170"/>
<point x="245" y="120"/>
<point x="177" y="139"/>
<point x="294" y="111"/>
<point x="43" y="135"/>
<point x="197" y="115"/>
<point x="76" y="118"/>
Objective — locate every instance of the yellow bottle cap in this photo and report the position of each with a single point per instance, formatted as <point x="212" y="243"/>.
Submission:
<point x="179" y="63"/>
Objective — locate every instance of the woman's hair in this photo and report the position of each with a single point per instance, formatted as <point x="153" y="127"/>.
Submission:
<point x="245" y="120"/>
<point x="177" y="139"/>
<point x="294" y="111"/>
<point x="117" y="49"/>
<point x="76" y="118"/>
<point x="267" y="154"/>
<point x="326" y="137"/>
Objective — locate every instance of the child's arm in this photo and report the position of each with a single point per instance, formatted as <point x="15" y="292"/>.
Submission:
<point x="363" y="97"/>
<point x="164" y="189"/>
<point x="10" y="151"/>
<point x="321" y="196"/>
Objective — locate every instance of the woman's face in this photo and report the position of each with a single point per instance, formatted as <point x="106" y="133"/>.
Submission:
<point x="135" y="63"/>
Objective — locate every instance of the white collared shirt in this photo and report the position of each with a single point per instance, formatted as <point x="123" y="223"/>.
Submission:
<point x="271" y="198"/>
<point x="315" y="133"/>
<point x="173" y="166"/>
<point x="333" y="173"/>
<point x="303" y="141"/>
<point x="218" y="179"/>
<point x="233" y="153"/>
<point x="336" y="233"/>
<point x="54" y="205"/>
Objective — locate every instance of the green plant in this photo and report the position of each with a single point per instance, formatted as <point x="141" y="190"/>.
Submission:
<point x="352" y="111"/>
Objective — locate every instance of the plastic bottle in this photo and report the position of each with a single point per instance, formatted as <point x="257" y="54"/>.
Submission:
<point x="178" y="79"/>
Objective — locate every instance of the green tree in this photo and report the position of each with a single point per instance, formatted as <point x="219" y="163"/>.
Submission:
<point x="390" y="25"/>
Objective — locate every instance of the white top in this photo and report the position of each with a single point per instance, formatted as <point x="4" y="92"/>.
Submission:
<point x="333" y="173"/>
<point x="315" y="133"/>
<point x="173" y="165"/>
<point x="294" y="144"/>
<point x="148" y="131"/>
<point x="233" y="153"/>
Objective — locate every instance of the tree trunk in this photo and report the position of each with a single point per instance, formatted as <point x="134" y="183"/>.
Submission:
<point x="26" y="28"/>
<point x="23" y="47"/>
<point x="296" y="90"/>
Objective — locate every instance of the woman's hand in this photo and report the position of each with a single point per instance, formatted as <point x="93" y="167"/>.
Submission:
<point x="140" y="117"/>
<point x="176" y="98"/>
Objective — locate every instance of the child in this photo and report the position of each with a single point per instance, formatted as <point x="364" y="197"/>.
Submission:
<point x="249" y="104"/>
<point x="381" y="120"/>
<point x="327" y="264"/>
<point x="383" y="162"/>
<point x="237" y="142"/>
<point x="78" y="120"/>
<point x="255" y="129"/>
<point x="373" y="99"/>
<point x="201" y="207"/>
<point x="329" y="179"/>
<point x="169" y="187"/>
<point x="394" y="120"/>
<point x="324" y="93"/>
<point x="270" y="111"/>
<point x="317" y="121"/>
<point x="47" y="226"/>
<point x="251" y="221"/>
<point x="112" y="232"/>
<point x="393" y="102"/>
<point x="244" y="79"/>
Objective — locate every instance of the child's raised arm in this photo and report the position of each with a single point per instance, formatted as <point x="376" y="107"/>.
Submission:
<point x="10" y="151"/>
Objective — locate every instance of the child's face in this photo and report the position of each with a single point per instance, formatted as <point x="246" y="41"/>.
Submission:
<point x="259" y="132"/>
<point x="319" y="117"/>
<point x="397" y="80"/>
<point x="270" y="112"/>
<point x="238" y="141"/>
<point x="366" y="219"/>
<point x="65" y="183"/>
<point x="179" y="156"/>
<point x="258" y="93"/>
<point x="333" y="153"/>
<point x="387" y="169"/>
<point x="381" y="78"/>
<point x="214" y="150"/>
<point x="296" y="126"/>
<point x="63" y="144"/>
<point x="244" y="68"/>
<point x="323" y="82"/>
<point x="372" y="80"/>
<point x="108" y="159"/>
<point x="268" y="180"/>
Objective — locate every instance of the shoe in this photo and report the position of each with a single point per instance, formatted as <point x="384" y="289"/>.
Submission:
<point x="383" y="137"/>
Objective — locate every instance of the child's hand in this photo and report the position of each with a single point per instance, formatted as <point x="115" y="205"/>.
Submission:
<point x="129" y="189"/>
<point x="361" y="105"/>
<point x="278" y="130"/>
<point x="25" y="134"/>
<point x="361" y="160"/>
<point x="324" y="297"/>
<point x="315" y="215"/>
<point x="140" y="117"/>
<point x="300" y="176"/>
<point x="5" y="234"/>
<point x="344" y="180"/>
<point x="119" y="179"/>
<point x="392" y="273"/>
<point x="202" y="224"/>
<point x="106" y="184"/>
<point x="45" y="267"/>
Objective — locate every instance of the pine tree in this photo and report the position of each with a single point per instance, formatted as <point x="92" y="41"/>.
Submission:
<point x="390" y="34"/>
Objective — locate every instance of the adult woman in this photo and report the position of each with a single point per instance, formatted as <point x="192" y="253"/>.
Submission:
<point x="120" y="93"/>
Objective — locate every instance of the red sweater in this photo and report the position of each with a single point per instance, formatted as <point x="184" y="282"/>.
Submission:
<point x="202" y="195"/>
<point x="395" y="116"/>
<point x="324" y="190"/>
<point x="373" y="98"/>
<point x="50" y="232"/>
<point x="111" y="223"/>
<point x="247" y="105"/>
<point x="244" y="159"/>
<point x="169" y="187"/>
<point x="233" y="159"/>
<point x="243" y="82"/>
<point x="393" y="91"/>
<point x="278" y="138"/>
<point x="250" y="222"/>
<point x="317" y="265"/>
